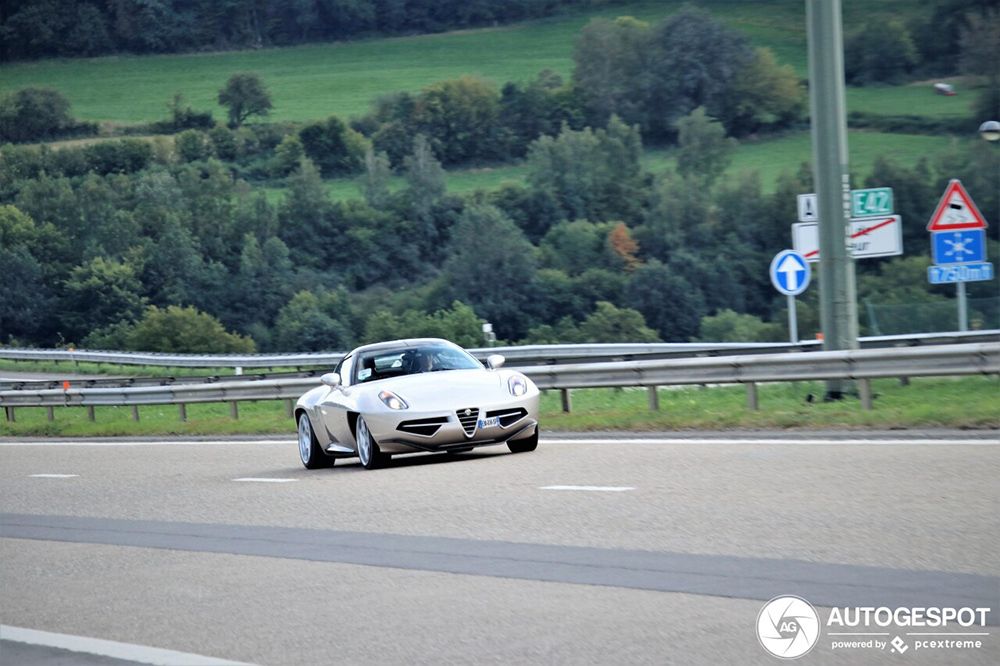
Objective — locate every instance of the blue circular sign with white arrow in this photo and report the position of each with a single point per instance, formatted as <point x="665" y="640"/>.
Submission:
<point x="790" y="272"/>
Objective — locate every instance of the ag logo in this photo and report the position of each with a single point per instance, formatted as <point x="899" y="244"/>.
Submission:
<point x="788" y="627"/>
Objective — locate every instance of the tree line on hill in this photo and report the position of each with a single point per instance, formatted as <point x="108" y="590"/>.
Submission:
<point x="74" y="28"/>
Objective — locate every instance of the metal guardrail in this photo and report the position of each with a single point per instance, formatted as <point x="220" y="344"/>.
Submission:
<point x="516" y="355"/>
<point x="861" y="365"/>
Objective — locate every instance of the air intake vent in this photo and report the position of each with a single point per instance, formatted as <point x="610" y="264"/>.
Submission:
<point x="508" y="417"/>
<point x="468" y="418"/>
<point x="423" y="427"/>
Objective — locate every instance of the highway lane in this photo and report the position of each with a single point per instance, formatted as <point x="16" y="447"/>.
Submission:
<point x="475" y="559"/>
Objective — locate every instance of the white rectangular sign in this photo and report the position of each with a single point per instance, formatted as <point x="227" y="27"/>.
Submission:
<point x="807" y="207"/>
<point x="870" y="237"/>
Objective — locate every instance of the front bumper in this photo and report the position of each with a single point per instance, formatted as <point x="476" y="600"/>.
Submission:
<point x="450" y="432"/>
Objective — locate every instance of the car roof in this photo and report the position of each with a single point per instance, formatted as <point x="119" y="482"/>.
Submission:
<point x="403" y="344"/>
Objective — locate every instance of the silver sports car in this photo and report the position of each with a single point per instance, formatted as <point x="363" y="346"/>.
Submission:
<point x="414" y="395"/>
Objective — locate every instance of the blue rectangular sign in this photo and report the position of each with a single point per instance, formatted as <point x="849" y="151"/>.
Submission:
<point x="960" y="273"/>
<point x="959" y="247"/>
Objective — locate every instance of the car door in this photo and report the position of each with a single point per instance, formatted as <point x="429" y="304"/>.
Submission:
<point x="333" y="409"/>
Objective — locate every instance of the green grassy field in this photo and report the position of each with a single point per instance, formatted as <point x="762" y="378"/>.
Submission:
<point x="769" y="157"/>
<point x="313" y="81"/>
<point x="971" y="402"/>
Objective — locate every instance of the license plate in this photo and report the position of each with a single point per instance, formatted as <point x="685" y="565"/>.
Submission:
<point x="489" y="423"/>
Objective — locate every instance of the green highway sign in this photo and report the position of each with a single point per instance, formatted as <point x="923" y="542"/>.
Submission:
<point x="875" y="201"/>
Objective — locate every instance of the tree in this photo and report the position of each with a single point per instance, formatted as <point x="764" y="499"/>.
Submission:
<point x="610" y="324"/>
<point x="190" y="145"/>
<point x="882" y="51"/>
<point x="459" y="117"/>
<point x="374" y="182"/>
<point x="614" y="69"/>
<point x="491" y="266"/>
<point x="574" y="247"/>
<point x="671" y="305"/>
<point x="425" y="183"/>
<point x="593" y="175"/>
<point x="245" y="95"/>
<point x="624" y="247"/>
<point x="767" y="95"/>
<point x="177" y="330"/>
<point x="311" y="322"/>
<point x="458" y="323"/>
<point x="99" y="293"/>
<point x="705" y="151"/>
<point x="696" y="63"/>
<point x="32" y="114"/>
<point x="333" y="146"/>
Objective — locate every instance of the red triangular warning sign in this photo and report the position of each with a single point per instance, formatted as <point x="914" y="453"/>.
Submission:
<point x="956" y="211"/>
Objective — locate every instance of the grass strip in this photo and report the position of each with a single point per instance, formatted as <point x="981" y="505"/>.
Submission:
<point x="967" y="402"/>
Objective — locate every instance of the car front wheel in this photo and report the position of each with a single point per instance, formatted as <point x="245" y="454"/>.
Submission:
<point x="311" y="453"/>
<point x="368" y="451"/>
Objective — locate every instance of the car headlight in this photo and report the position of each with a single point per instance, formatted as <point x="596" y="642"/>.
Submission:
<point x="392" y="401"/>
<point x="517" y="386"/>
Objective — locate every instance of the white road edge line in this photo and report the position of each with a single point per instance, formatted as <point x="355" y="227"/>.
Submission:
<point x="126" y="442"/>
<point x="262" y="480"/>
<point x="604" y="489"/>
<point x="113" y="649"/>
<point x="53" y="476"/>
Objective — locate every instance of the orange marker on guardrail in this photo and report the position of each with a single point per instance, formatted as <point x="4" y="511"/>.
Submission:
<point x="65" y="386"/>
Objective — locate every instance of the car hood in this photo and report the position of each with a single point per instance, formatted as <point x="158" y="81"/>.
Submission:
<point x="451" y="389"/>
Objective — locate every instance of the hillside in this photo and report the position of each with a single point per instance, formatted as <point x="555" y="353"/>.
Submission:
<point x="314" y="81"/>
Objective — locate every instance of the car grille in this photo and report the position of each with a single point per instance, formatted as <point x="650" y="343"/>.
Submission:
<point x="508" y="416"/>
<point x="468" y="419"/>
<point x="423" y="427"/>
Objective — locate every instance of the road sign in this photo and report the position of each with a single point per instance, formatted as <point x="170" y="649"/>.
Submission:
<point x="959" y="247"/>
<point x="807" y="207"/>
<point x="790" y="272"/>
<point x="870" y="237"/>
<point x="872" y="202"/>
<point x="956" y="211"/>
<point x="960" y="273"/>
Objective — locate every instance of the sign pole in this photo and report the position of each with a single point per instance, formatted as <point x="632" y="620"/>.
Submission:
<point x="838" y="290"/>
<point x="793" y="321"/>
<point x="963" y="309"/>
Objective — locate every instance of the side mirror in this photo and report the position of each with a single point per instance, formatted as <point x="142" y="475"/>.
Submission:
<point x="331" y="379"/>
<point x="494" y="361"/>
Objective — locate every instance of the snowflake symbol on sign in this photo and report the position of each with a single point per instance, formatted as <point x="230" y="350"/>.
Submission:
<point x="958" y="246"/>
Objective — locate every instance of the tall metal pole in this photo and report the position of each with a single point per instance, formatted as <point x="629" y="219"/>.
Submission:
<point x="838" y="291"/>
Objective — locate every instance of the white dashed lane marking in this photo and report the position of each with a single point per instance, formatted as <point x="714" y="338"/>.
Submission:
<point x="53" y="476"/>
<point x="254" y="480"/>
<point x="603" y="489"/>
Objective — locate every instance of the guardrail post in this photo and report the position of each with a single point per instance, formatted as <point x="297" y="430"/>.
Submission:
<point x="752" y="401"/>
<point x="234" y="412"/>
<point x="654" y="398"/>
<point x="182" y="412"/>
<point x="50" y="413"/>
<point x="135" y="413"/>
<point x="865" y="389"/>
<point x="567" y="401"/>
<point x="288" y="408"/>
<point x="90" y="413"/>
<point x="904" y="381"/>
<point x="10" y="414"/>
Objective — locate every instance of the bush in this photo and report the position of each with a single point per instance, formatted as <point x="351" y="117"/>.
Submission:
<point x="334" y="147"/>
<point x="190" y="146"/>
<point x="184" y="331"/>
<point x="729" y="326"/>
<point x="33" y="114"/>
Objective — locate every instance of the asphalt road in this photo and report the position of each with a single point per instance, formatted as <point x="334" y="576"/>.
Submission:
<point x="604" y="551"/>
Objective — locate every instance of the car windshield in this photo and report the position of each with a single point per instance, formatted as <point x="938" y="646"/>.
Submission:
<point x="386" y="363"/>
